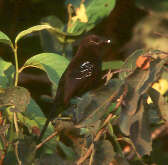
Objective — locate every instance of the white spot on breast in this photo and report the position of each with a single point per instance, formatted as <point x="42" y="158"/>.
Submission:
<point x="85" y="63"/>
<point x="86" y="70"/>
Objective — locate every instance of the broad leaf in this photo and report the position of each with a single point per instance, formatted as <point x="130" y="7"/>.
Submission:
<point x="18" y="97"/>
<point x="53" y="64"/>
<point x="88" y="14"/>
<point x="35" y="121"/>
<point x="6" y="73"/>
<point x="104" y="152"/>
<point x="140" y="132"/>
<point x="5" y="39"/>
<point x="70" y="154"/>
<point x="138" y="84"/>
<point x="94" y="105"/>
<point x="31" y="30"/>
<point x="130" y="64"/>
<point x="57" y="34"/>
<point x="26" y="150"/>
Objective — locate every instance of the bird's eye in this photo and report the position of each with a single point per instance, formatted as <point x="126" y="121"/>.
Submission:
<point x="108" y="41"/>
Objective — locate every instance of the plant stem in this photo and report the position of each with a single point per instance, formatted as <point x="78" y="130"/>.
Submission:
<point x="16" y="65"/>
<point x="16" y="124"/>
<point x="115" y="140"/>
<point x="16" y="153"/>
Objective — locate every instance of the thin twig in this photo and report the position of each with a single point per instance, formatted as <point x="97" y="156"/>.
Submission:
<point x="107" y="119"/>
<point x="2" y="157"/>
<point x="46" y="140"/>
<point x="92" y="156"/>
<point x="158" y="131"/>
<point x="82" y="159"/>
<point x="16" y="152"/>
<point x="69" y="6"/>
<point x="118" y="147"/>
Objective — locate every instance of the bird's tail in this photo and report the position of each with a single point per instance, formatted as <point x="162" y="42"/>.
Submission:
<point x="54" y="112"/>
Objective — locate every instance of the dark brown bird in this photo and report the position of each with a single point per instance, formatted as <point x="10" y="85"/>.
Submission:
<point x="82" y="74"/>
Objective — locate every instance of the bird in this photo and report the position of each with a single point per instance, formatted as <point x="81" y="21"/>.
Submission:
<point x="81" y="75"/>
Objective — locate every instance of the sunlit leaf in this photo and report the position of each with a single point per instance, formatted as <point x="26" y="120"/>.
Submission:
<point x="67" y="151"/>
<point x="53" y="64"/>
<point x="89" y="14"/>
<point x="31" y="30"/>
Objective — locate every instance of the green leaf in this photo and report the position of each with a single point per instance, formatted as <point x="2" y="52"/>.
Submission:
<point x="26" y="150"/>
<point x="29" y="123"/>
<point x="70" y="154"/>
<point x="35" y="114"/>
<point x="53" y="64"/>
<point x="6" y="73"/>
<point x="5" y="39"/>
<point x="93" y="14"/>
<point x="35" y="119"/>
<point x="104" y="152"/>
<point x="33" y="110"/>
<point x="130" y="64"/>
<point x="19" y="97"/>
<point x="31" y="30"/>
<point x="112" y="65"/>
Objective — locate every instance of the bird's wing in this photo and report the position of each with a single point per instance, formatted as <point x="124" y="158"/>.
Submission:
<point x="85" y="70"/>
<point x="81" y="79"/>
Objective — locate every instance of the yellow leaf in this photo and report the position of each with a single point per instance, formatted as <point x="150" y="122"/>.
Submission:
<point x="161" y="86"/>
<point x="80" y="14"/>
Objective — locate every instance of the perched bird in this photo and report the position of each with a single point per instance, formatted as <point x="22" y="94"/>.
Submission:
<point x="82" y="74"/>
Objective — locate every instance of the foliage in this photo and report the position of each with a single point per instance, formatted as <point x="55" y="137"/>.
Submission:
<point x="117" y="112"/>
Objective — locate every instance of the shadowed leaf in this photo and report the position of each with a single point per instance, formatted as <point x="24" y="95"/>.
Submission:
<point x="140" y="133"/>
<point x="19" y="97"/>
<point x="130" y="64"/>
<point x="138" y="84"/>
<point x="94" y="106"/>
<point x="6" y="73"/>
<point x="104" y="153"/>
<point x="5" y="39"/>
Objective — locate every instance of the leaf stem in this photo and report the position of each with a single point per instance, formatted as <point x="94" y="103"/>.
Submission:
<point x="115" y="140"/>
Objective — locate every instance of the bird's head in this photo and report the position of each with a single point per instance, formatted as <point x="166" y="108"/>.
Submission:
<point x="95" y="43"/>
<point x="92" y="46"/>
